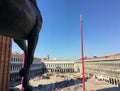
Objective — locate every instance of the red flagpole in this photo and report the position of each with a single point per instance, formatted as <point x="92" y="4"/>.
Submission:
<point x="23" y="67"/>
<point x="82" y="53"/>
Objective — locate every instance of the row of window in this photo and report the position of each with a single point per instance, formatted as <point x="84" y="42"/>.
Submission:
<point x="20" y="59"/>
<point x="16" y="59"/>
<point x="103" y="65"/>
<point x="15" y="67"/>
<point x="18" y="67"/>
<point x="103" y="72"/>
<point x="59" y="65"/>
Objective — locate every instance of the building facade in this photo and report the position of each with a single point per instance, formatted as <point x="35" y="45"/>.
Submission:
<point x="106" y="69"/>
<point x="39" y="66"/>
<point x="62" y="66"/>
<point x="16" y="65"/>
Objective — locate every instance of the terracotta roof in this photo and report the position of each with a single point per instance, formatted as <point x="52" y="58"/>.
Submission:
<point x="16" y="54"/>
<point x="104" y="57"/>
<point x="114" y="56"/>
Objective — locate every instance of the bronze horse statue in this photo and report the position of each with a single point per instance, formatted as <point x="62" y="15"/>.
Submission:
<point x="22" y="21"/>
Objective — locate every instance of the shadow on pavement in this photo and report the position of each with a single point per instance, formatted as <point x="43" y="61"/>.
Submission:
<point x="60" y="85"/>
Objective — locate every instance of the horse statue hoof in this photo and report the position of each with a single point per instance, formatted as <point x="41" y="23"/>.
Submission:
<point x="22" y="72"/>
<point x="28" y="88"/>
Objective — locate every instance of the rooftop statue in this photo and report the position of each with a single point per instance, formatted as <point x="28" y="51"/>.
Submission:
<point x="22" y="21"/>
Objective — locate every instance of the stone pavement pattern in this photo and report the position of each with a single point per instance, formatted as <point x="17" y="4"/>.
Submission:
<point x="91" y="84"/>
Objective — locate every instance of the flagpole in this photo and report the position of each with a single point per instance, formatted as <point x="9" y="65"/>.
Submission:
<point x="82" y="54"/>
<point x="23" y="61"/>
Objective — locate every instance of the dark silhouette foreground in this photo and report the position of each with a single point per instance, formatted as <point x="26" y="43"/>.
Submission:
<point x="21" y="20"/>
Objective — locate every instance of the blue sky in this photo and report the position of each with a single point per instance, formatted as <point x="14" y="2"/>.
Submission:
<point x="60" y="34"/>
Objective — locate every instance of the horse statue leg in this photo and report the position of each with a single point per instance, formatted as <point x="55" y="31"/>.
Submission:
<point x="22" y="45"/>
<point x="24" y="72"/>
<point x="32" y="42"/>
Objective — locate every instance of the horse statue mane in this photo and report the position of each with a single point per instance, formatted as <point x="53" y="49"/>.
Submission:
<point x="22" y="21"/>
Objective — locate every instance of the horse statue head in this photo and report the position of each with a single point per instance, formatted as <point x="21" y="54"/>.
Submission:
<point x="22" y="21"/>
